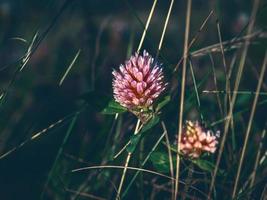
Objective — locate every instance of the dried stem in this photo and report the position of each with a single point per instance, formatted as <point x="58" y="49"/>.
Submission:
<point x="250" y="123"/>
<point x="170" y="157"/>
<point x="257" y="159"/>
<point x="189" y="3"/>
<point x="165" y="26"/>
<point x="236" y="86"/>
<point x="147" y="24"/>
<point x="127" y="163"/>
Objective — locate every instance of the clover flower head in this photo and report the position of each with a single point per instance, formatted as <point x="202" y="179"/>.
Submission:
<point x="138" y="82"/>
<point x="196" y="140"/>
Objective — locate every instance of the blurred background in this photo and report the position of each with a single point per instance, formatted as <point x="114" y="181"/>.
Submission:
<point x="103" y="34"/>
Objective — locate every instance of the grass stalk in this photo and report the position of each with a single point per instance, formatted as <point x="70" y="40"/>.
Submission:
<point x="165" y="27"/>
<point x="188" y="14"/>
<point x="250" y="124"/>
<point x="145" y="161"/>
<point x="127" y="163"/>
<point x="147" y="24"/>
<point x="236" y="86"/>
<point x="253" y="177"/>
<point x="170" y="157"/>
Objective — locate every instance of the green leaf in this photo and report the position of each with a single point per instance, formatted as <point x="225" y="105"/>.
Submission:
<point x="206" y="166"/>
<point x="150" y="124"/>
<point x="163" y="103"/>
<point x="113" y="108"/>
<point x="134" y="140"/>
<point x="161" y="161"/>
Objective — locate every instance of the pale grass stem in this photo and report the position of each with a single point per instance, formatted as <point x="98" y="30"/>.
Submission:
<point x="257" y="160"/>
<point x="188" y="14"/>
<point x="195" y="38"/>
<point x="147" y="24"/>
<point x="146" y="159"/>
<point x="215" y="83"/>
<point x="70" y="66"/>
<point x="165" y="27"/>
<point x="127" y="163"/>
<point x="250" y="124"/>
<point x="170" y="157"/>
<point x="236" y="86"/>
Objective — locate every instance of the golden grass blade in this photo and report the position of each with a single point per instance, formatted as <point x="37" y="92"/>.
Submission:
<point x="229" y="44"/>
<point x="215" y="83"/>
<point x="250" y="124"/>
<point x="127" y="162"/>
<point x="257" y="160"/>
<point x="236" y="86"/>
<point x="195" y="38"/>
<point x="70" y="66"/>
<point x="170" y="157"/>
<point x="165" y="26"/>
<point x="188" y="14"/>
<point x="147" y="24"/>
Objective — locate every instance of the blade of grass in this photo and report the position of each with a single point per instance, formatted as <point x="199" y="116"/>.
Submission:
<point x="127" y="163"/>
<point x="227" y="78"/>
<point x="195" y="38"/>
<point x="253" y="177"/>
<point x="232" y="92"/>
<point x="170" y="157"/>
<point x="229" y="44"/>
<point x="147" y="24"/>
<point x="33" y="50"/>
<point x="143" y="164"/>
<point x="195" y="87"/>
<point x="70" y="66"/>
<point x="51" y="172"/>
<point x="38" y="134"/>
<point x="234" y="114"/>
<point x="215" y="83"/>
<point x="236" y="86"/>
<point x="250" y="124"/>
<point x="165" y="27"/>
<point x="188" y="14"/>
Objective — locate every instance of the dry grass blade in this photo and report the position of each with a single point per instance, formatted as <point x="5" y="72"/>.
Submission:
<point x="234" y="92"/>
<point x="70" y="66"/>
<point x="35" y="136"/>
<point x="215" y="83"/>
<point x="236" y="86"/>
<point x="146" y="159"/>
<point x="250" y="124"/>
<point x="170" y="157"/>
<point x="253" y="177"/>
<point x="227" y="78"/>
<point x="120" y="167"/>
<point x="195" y="87"/>
<point x="127" y="162"/>
<point x="188" y="14"/>
<point x="147" y="24"/>
<point x="229" y="44"/>
<point x="132" y="168"/>
<point x="195" y="38"/>
<point x="165" y="26"/>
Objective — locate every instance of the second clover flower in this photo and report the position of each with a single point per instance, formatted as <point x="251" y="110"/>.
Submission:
<point x="138" y="82"/>
<point x="196" y="140"/>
